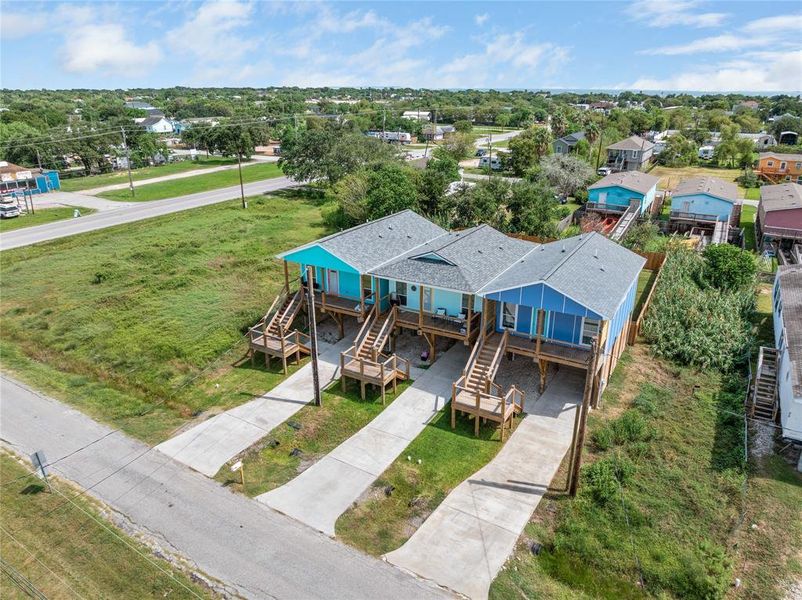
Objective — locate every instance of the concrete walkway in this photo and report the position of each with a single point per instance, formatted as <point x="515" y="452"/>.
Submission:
<point x="468" y="538"/>
<point x="209" y="445"/>
<point x="319" y="495"/>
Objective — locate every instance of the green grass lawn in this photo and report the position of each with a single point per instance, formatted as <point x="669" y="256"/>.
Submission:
<point x="40" y="217"/>
<point x="270" y="464"/>
<point x="752" y="193"/>
<point x="381" y="523"/>
<point x="73" y="551"/>
<point x="645" y="283"/>
<point x="199" y="183"/>
<point x="671" y="176"/>
<point x="76" y="184"/>
<point x="122" y="322"/>
<point x="748" y="225"/>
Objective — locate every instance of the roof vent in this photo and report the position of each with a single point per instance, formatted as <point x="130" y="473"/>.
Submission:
<point x="601" y="267"/>
<point x="563" y="248"/>
<point x="596" y="253"/>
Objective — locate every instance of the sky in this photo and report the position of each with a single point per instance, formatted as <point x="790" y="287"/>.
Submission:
<point x="642" y="45"/>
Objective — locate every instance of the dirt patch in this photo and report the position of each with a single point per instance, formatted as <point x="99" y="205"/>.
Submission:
<point x="409" y="345"/>
<point x="762" y="442"/>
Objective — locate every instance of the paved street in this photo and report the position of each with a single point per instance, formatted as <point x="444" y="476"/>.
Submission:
<point x="496" y="137"/>
<point x="467" y="539"/>
<point x="135" y="211"/>
<point x="258" y="552"/>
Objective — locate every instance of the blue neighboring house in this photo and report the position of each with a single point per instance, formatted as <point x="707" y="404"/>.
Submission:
<point x="18" y="181"/>
<point x="703" y="200"/>
<point x="617" y="191"/>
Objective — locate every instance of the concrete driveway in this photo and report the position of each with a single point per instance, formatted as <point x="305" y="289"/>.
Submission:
<point x="468" y="538"/>
<point x="255" y="551"/>
<point x="77" y="199"/>
<point x="209" y="445"/>
<point x="323" y="492"/>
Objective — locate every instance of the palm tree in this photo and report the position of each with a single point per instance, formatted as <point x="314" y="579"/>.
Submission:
<point x="592" y="132"/>
<point x="542" y="141"/>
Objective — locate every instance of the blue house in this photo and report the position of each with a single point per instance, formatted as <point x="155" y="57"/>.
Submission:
<point x="18" y="181"/>
<point x="617" y="191"/>
<point x="703" y="201"/>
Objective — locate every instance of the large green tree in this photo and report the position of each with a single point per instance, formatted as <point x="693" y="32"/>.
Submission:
<point x="527" y="148"/>
<point x="565" y="173"/>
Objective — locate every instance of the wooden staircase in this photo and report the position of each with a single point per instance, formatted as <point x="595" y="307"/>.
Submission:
<point x="480" y="371"/>
<point x="273" y="334"/>
<point x="764" y="393"/>
<point x="365" y="361"/>
<point x="626" y="221"/>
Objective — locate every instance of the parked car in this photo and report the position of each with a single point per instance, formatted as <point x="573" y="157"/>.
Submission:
<point x="603" y="171"/>
<point x="9" y="210"/>
<point x="492" y="162"/>
<point x="481" y="152"/>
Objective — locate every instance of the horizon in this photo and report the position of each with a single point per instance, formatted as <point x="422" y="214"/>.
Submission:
<point x="659" y="48"/>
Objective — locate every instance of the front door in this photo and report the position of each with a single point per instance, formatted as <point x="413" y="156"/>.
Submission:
<point x="509" y="313"/>
<point x="334" y="283"/>
<point x="427" y="299"/>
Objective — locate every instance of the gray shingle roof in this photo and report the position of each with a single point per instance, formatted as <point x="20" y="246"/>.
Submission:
<point x="790" y="278"/>
<point x="783" y="196"/>
<point x="712" y="186"/>
<point x="785" y="157"/>
<point x="371" y="244"/>
<point x="629" y="180"/>
<point x="462" y="261"/>
<point x="589" y="268"/>
<point x="633" y="142"/>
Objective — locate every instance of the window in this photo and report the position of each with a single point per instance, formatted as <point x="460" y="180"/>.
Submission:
<point x="401" y="293"/>
<point x="788" y="178"/>
<point x="508" y="311"/>
<point x="783" y="164"/>
<point x="798" y="166"/>
<point x="590" y="330"/>
<point x="799" y="179"/>
<point x="770" y="163"/>
<point x="367" y="286"/>
<point x="466" y="302"/>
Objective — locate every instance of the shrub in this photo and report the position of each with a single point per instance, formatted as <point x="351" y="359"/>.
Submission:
<point x="748" y="179"/>
<point x="630" y="427"/>
<point x="603" y="477"/>
<point x="729" y="268"/>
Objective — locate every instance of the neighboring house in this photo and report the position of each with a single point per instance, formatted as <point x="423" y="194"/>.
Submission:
<point x="566" y="144"/>
<point x="776" y="167"/>
<point x="778" y="222"/>
<point x="748" y="104"/>
<point x="430" y="132"/>
<point x="617" y="191"/>
<point x="417" y="115"/>
<point x="707" y="203"/>
<point x="788" y="342"/>
<point x="789" y="138"/>
<point x="631" y="154"/>
<point x="155" y="124"/>
<point x="761" y="140"/>
<point x="139" y="105"/>
<point x="603" y="106"/>
<point x="16" y="180"/>
<point x="473" y="285"/>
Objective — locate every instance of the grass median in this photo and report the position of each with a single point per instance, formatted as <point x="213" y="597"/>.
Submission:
<point x="382" y="522"/>
<point x="77" y="184"/>
<point x="69" y="549"/>
<point x="198" y="183"/>
<point x="308" y="436"/>
<point x="41" y="217"/>
<point x="138" y="324"/>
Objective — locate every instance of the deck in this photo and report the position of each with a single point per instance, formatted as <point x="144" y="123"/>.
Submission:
<point x="567" y="354"/>
<point x="447" y="326"/>
<point x="340" y="304"/>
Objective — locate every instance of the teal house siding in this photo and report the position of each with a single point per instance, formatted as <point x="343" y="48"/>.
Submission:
<point x="449" y="300"/>
<point x="318" y="257"/>
<point x="619" y="196"/>
<point x="622" y="315"/>
<point x="702" y="204"/>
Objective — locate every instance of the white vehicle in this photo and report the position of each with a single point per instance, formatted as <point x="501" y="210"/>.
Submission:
<point x="706" y="152"/>
<point x="603" y="171"/>
<point x="494" y="163"/>
<point x="9" y="210"/>
<point x="392" y="136"/>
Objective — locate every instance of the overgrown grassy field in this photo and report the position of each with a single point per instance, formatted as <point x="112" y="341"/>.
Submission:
<point x="122" y="322"/>
<point x="320" y="429"/>
<point x="40" y="217"/>
<point x="671" y="176"/>
<point x="75" y="184"/>
<point x="199" y="183"/>
<point x="381" y="523"/>
<point x="73" y="551"/>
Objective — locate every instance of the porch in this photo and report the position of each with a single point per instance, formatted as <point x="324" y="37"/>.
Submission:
<point x="572" y="355"/>
<point x="464" y="329"/>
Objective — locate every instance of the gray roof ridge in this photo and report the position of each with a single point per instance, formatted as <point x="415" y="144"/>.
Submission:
<point x="568" y="255"/>
<point x="395" y="258"/>
<point x="461" y="235"/>
<point x="511" y="265"/>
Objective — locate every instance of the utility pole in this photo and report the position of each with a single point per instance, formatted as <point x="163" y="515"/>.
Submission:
<point x="310" y="304"/>
<point x="241" y="187"/>
<point x="489" y="152"/>
<point x="128" y="162"/>
<point x="384" y="122"/>
<point x="601" y="135"/>
<point x="38" y="159"/>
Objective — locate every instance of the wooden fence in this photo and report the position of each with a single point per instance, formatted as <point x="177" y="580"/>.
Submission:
<point x="654" y="262"/>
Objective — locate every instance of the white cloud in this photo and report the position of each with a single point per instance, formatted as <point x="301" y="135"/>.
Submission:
<point x="480" y="19"/>
<point x="14" y="26"/>
<point x="719" y="43"/>
<point x="666" y="13"/>
<point x="213" y="35"/>
<point x="766" y="72"/>
<point x="331" y="22"/>
<point x="106" y="48"/>
<point x="775" y="24"/>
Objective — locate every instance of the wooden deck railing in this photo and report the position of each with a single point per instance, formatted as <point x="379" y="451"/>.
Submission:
<point x="386" y="328"/>
<point x="696" y="217"/>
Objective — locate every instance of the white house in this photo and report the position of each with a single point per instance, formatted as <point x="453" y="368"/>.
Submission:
<point x="155" y="124"/>
<point x="788" y="342"/>
<point x="417" y="115"/>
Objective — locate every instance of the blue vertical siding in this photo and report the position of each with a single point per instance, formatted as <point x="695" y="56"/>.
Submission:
<point x="542" y="296"/>
<point x="622" y="315"/>
<point x="619" y="196"/>
<point x="702" y="204"/>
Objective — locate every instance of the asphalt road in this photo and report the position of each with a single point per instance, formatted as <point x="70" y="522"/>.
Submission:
<point x="131" y="212"/>
<point x="257" y="552"/>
